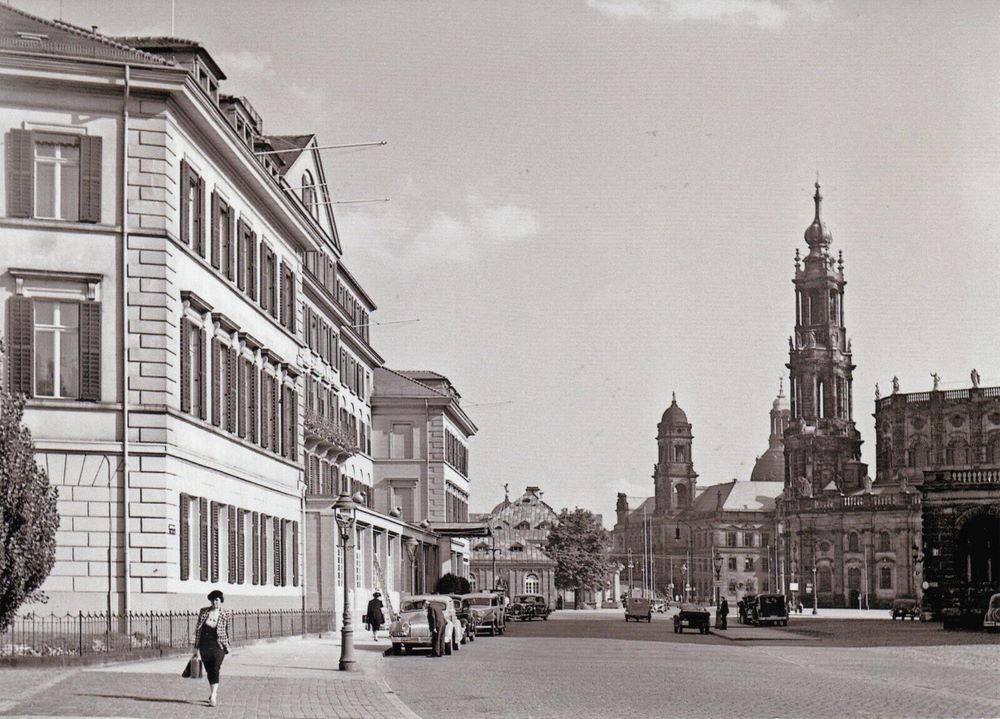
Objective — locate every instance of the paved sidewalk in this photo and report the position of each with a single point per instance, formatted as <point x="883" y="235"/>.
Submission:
<point x="294" y="677"/>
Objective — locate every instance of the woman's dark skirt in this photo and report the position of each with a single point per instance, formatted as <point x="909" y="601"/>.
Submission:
<point x="211" y="652"/>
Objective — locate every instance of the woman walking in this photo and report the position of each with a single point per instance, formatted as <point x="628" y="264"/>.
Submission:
<point x="211" y="639"/>
<point x="374" y="617"/>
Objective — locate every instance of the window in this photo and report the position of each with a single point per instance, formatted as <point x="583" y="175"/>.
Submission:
<point x="884" y="542"/>
<point x="53" y="176"/>
<point x="765" y="539"/>
<point x="957" y="451"/>
<point x="732" y="586"/>
<point x="456" y="454"/>
<point x="286" y="293"/>
<point x="531" y="584"/>
<point x="748" y="564"/>
<point x="193" y="385"/>
<point x="885" y="577"/>
<point x="402" y="498"/>
<point x="825" y="579"/>
<point x="523" y="525"/>
<point x="223" y="250"/>
<point x="731" y="540"/>
<point x="401" y="441"/>
<point x="764" y="564"/>
<point x="731" y="563"/>
<point x="853" y="544"/>
<point x="192" y="209"/>
<point x="677" y="532"/>
<point x="854" y="579"/>
<point x="54" y="348"/>
<point x="309" y="194"/>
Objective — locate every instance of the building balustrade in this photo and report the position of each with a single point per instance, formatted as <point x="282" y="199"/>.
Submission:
<point x="966" y="476"/>
<point x="854" y="502"/>
<point x="325" y="436"/>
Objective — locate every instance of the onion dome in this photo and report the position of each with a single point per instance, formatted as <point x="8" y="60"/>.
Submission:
<point x="817" y="236"/>
<point x="674" y="414"/>
<point x="780" y="403"/>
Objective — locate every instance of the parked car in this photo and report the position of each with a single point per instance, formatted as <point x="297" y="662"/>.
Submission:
<point x="991" y="620"/>
<point x="488" y="609"/>
<point x="769" y="609"/>
<point x="525" y="607"/>
<point x="661" y="607"/>
<point x="691" y="616"/>
<point x="410" y="629"/>
<point x="905" y="609"/>
<point x="465" y="617"/>
<point x="638" y="608"/>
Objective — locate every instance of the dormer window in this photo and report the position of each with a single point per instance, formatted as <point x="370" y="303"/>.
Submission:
<point x="517" y="548"/>
<point x="309" y="194"/>
<point x="523" y="525"/>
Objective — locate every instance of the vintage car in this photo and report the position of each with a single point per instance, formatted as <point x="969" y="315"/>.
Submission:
<point x="661" y="606"/>
<point x="488" y="609"/>
<point x="525" y="607"/>
<point x="638" y="608"/>
<point x="991" y="620"/>
<point x="905" y="609"/>
<point x="465" y="617"/>
<point x="691" y="616"/>
<point x="410" y="629"/>
<point x="769" y="609"/>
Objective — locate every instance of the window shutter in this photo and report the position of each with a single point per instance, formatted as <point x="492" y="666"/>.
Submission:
<point x="185" y="365"/>
<point x="262" y="407"/>
<point x="263" y="276"/>
<point x="252" y="401"/>
<point x="215" y="541"/>
<point x="274" y="416"/>
<point x="241" y="255"/>
<point x="185" y="536"/>
<point x="185" y="205"/>
<point x="241" y="381"/>
<point x="263" y="548"/>
<point x="20" y="328"/>
<point x="203" y="524"/>
<point x="241" y="520"/>
<point x="20" y="173"/>
<point x="199" y="220"/>
<point x="232" y="544"/>
<point x="284" y="421"/>
<point x="231" y="390"/>
<point x="202" y="371"/>
<point x="90" y="351"/>
<point x="293" y="424"/>
<point x="291" y="301"/>
<point x="283" y="296"/>
<point x="295" y="554"/>
<point x="216" y="239"/>
<point x="252" y="265"/>
<point x="216" y="382"/>
<point x="255" y="548"/>
<point x="90" y="179"/>
<point x="279" y="559"/>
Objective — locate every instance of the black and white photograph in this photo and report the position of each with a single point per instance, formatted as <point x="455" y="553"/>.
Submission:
<point x="634" y="358"/>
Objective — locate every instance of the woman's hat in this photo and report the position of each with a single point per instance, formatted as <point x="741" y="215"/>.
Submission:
<point x="376" y="595"/>
<point x="216" y="594"/>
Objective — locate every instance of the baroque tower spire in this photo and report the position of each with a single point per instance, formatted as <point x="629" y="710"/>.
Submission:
<point x="822" y="444"/>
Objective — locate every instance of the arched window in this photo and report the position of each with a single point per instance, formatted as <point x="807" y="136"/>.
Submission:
<point x="993" y="448"/>
<point x="884" y="542"/>
<point x="544" y="524"/>
<point x="885" y="576"/>
<point x="957" y="451"/>
<point x="854" y="579"/>
<point x="853" y="543"/>
<point x="531" y="584"/>
<point x="523" y="525"/>
<point x="919" y="454"/>
<point x="309" y="193"/>
<point x="825" y="579"/>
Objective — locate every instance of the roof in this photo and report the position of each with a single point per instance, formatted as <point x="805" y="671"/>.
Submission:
<point x="504" y="520"/>
<point x="648" y="505"/>
<point x="770" y="466"/>
<point x="24" y="32"/>
<point x="296" y="144"/>
<point x="157" y="44"/>
<point x="738" y="496"/>
<point x="401" y="384"/>
<point x="674" y="415"/>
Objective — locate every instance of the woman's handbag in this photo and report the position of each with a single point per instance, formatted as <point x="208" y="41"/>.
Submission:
<point x="193" y="669"/>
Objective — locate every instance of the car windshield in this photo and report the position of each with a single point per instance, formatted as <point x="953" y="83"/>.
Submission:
<point x="995" y="601"/>
<point x="412" y="604"/>
<point x="479" y="601"/>
<point x="772" y="604"/>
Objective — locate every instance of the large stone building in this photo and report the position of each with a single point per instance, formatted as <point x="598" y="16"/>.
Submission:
<point x="193" y="348"/>
<point x="843" y="540"/>
<point x="947" y="444"/>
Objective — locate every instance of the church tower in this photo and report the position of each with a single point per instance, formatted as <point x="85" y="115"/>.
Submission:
<point x="822" y="444"/>
<point x="673" y="475"/>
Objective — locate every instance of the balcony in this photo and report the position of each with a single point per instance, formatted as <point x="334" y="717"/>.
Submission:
<point x="328" y="438"/>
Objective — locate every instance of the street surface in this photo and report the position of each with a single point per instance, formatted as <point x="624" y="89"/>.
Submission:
<point x="594" y="664"/>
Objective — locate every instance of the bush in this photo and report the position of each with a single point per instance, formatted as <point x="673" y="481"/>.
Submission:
<point x="452" y="584"/>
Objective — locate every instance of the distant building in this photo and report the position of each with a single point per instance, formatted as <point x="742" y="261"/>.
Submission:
<point x="946" y="445"/>
<point x="770" y="466"/>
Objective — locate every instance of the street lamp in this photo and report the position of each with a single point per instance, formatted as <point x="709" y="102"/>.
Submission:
<point x="815" y="589"/>
<point x="411" y="551"/>
<point x="344" y="511"/>
<point x="717" y="563"/>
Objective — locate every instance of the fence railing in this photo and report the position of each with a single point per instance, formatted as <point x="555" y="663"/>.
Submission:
<point x="84" y="634"/>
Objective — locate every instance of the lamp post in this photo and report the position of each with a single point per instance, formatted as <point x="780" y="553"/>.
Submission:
<point x="684" y="575"/>
<point x="815" y="589"/>
<point x="717" y="563"/>
<point x="344" y="511"/>
<point x="411" y="552"/>
<point x="494" y="551"/>
<point x="918" y="565"/>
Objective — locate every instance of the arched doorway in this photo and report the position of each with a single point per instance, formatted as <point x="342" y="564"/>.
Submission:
<point x="977" y="551"/>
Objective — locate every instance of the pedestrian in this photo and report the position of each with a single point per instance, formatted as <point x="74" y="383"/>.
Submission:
<point x="741" y="608"/>
<point x="724" y="613"/>
<point x="374" y="617"/>
<point x="211" y="640"/>
<point x="437" y="623"/>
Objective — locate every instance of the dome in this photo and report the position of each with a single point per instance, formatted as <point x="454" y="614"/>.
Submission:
<point x="674" y="414"/>
<point x="770" y="466"/>
<point x="780" y="403"/>
<point x="817" y="235"/>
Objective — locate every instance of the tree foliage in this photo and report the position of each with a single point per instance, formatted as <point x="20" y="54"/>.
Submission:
<point x="452" y="584"/>
<point x="579" y="546"/>
<point x="28" y="514"/>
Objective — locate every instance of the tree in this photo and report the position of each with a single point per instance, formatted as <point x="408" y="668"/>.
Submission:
<point x="28" y="514"/>
<point x="452" y="584"/>
<point x="579" y="545"/>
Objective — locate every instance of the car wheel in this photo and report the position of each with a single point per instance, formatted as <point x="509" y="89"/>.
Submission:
<point x="397" y="649"/>
<point x="545" y="618"/>
<point x="407" y="648"/>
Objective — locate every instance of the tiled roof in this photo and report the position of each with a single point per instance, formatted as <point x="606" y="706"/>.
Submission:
<point x="394" y="383"/>
<point x="24" y="32"/>
<point x="738" y="497"/>
<point x="284" y="160"/>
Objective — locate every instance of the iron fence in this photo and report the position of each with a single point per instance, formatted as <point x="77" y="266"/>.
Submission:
<point x="86" y="634"/>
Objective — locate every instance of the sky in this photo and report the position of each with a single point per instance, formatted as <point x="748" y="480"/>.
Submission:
<point x="596" y="203"/>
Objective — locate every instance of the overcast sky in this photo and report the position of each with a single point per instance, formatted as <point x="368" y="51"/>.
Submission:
<point x="596" y="203"/>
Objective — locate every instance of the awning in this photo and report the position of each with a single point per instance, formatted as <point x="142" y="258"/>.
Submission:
<point x="461" y="529"/>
